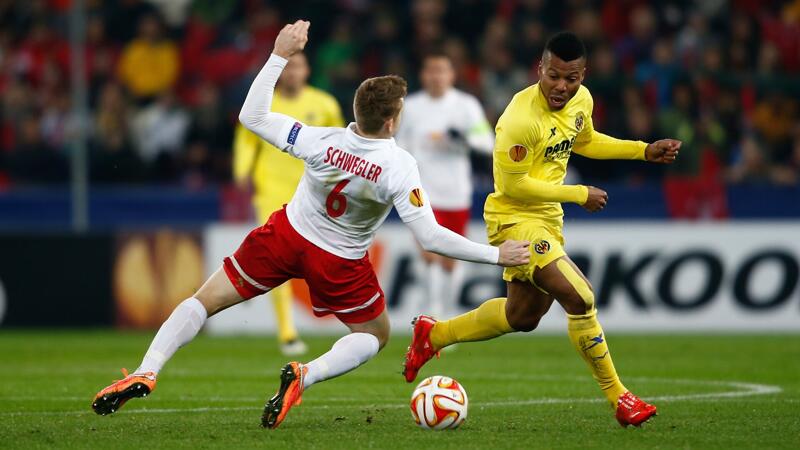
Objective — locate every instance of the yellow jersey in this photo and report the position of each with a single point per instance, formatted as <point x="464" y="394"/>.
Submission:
<point x="530" y="158"/>
<point x="275" y="174"/>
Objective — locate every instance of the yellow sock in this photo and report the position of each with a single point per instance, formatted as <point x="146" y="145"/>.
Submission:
<point x="588" y="338"/>
<point x="282" y="300"/>
<point x="484" y="322"/>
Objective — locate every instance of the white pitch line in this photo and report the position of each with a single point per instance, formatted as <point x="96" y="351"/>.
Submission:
<point x="743" y="390"/>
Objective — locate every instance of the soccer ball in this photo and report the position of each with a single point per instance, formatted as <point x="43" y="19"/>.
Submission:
<point x="439" y="403"/>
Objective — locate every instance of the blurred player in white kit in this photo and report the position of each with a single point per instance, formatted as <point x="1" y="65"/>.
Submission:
<point x="353" y="177"/>
<point x="440" y="126"/>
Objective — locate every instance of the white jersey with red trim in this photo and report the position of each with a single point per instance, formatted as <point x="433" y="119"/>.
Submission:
<point x="350" y="182"/>
<point x="349" y="186"/>
<point x="439" y="132"/>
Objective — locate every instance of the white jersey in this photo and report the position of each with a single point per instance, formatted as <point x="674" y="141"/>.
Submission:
<point x="425" y="130"/>
<point x="350" y="182"/>
<point x="349" y="187"/>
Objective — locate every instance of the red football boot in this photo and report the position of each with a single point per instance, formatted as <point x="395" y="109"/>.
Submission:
<point x="420" y="351"/>
<point x="631" y="410"/>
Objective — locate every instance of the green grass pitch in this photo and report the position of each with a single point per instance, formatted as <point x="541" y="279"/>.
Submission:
<point x="532" y="391"/>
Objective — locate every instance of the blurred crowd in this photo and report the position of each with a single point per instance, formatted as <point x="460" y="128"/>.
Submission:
<point x="165" y="78"/>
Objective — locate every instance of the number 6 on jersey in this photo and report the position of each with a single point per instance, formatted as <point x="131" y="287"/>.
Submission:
<point x="336" y="203"/>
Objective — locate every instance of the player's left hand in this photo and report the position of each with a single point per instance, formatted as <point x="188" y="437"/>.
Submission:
<point x="664" y="151"/>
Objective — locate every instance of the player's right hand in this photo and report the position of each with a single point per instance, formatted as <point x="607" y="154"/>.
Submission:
<point x="292" y="39"/>
<point x="514" y="253"/>
<point x="596" y="200"/>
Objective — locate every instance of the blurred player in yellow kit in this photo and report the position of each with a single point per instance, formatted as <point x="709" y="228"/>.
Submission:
<point x="274" y="174"/>
<point x="536" y="134"/>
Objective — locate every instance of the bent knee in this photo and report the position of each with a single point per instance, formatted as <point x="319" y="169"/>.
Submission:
<point x="524" y="323"/>
<point x="383" y="338"/>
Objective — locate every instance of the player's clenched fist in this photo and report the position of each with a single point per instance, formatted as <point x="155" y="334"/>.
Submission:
<point x="596" y="200"/>
<point x="664" y="151"/>
<point x="292" y="39"/>
<point x="514" y="253"/>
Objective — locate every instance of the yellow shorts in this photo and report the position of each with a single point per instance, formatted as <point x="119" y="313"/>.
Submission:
<point x="547" y="245"/>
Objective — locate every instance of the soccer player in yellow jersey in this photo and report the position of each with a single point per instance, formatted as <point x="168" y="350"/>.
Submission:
<point x="274" y="174"/>
<point x="536" y="134"/>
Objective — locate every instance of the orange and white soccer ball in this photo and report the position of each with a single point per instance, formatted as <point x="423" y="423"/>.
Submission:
<point x="439" y="403"/>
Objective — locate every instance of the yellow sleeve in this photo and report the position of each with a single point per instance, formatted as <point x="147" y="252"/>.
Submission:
<point x="593" y="144"/>
<point x="522" y="187"/>
<point x="513" y="159"/>
<point x="245" y="150"/>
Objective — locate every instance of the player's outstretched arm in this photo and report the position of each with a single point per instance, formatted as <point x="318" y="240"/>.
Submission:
<point x="438" y="239"/>
<point x="255" y="114"/>
<point x="596" y="145"/>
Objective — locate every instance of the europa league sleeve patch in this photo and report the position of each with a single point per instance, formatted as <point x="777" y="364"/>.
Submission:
<point x="415" y="197"/>
<point x="517" y="153"/>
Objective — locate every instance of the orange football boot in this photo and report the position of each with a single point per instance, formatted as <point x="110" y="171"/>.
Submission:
<point x="110" y="399"/>
<point x="631" y="410"/>
<point x="420" y="351"/>
<point x="289" y="394"/>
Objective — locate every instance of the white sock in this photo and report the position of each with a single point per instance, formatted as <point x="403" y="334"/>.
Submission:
<point x="346" y="354"/>
<point x="178" y="330"/>
<point x="436" y="283"/>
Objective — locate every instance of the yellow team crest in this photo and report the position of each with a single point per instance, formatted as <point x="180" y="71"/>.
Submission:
<point x="517" y="152"/>
<point x="415" y="197"/>
<point x="579" y="121"/>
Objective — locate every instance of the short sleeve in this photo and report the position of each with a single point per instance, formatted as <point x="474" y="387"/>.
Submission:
<point x="513" y="149"/>
<point x="409" y="198"/>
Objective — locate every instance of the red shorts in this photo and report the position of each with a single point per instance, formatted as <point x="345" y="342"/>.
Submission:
<point x="455" y="221"/>
<point x="274" y="253"/>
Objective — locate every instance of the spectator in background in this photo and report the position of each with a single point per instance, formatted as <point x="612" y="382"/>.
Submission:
<point x="775" y="118"/>
<point x="55" y="119"/>
<point x="124" y="16"/>
<point x="32" y="160"/>
<point x="750" y="164"/>
<point x="208" y="155"/>
<point x="637" y="46"/>
<point x="149" y="64"/>
<point x="336" y="67"/>
<point x="101" y="55"/>
<point x="18" y="103"/>
<point x="678" y="120"/>
<point x="658" y="73"/>
<point x="159" y="132"/>
<point x="500" y="80"/>
<point x="112" y="158"/>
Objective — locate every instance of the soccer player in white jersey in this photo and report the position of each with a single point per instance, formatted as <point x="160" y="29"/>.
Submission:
<point x="353" y="177"/>
<point x="440" y="126"/>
